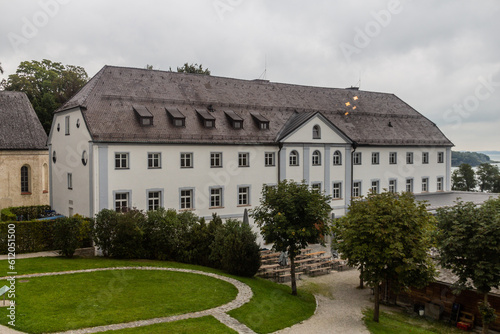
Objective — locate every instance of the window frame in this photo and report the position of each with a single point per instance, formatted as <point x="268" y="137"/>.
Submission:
<point x="70" y="180"/>
<point x="25" y="179"/>
<point x="377" y="186"/>
<point x="243" y="190"/>
<point x="425" y="182"/>
<point x="375" y="158"/>
<point x="121" y="208"/>
<point x="409" y="183"/>
<point x="439" y="183"/>
<point x="123" y="157"/>
<point x="337" y="187"/>
<point x="183" y="197"/>
<point x="357" y="158"/>
<point x="393" y="158"/>
<point x="356" y="189"/>
<point x="337" y="158"/>
<point x="159" y="199"/>
<point x="243" y="159"/>
<point x="186" y="157"/>
<point x="152" y="157"/>
<point x="293" y="155"/>
<point x="440" y="157"/>
<point x="316" y="132"/>
<point x="316" y="158"/>
<point x="215" y="159"/>
<point x="425" y="158"/>
<point x="67" y="125"/>
<point x="269" y="159"/>
<point x="394" y="184"/>
<point x="409" y="158"/>
<point x="316" y="186"/>
<point x="216" y="199"/>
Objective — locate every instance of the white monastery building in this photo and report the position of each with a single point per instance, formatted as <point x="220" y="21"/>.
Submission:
<point x="146" y="138"/>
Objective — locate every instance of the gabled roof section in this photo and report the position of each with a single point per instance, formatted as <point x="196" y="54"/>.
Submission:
<point x="298" y="120"/>
<point x="106" y="101"/>
<point x="232" y="115"/>
<point x="174" y="112"/>
<point x="20" y="128"/>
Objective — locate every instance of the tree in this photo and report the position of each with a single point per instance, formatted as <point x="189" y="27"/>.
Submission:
<point x="463" y="178"/>
<point x="389" y="235"/>
<point x="1" y="69"/>
<point x="291" y="216"/>
<point x="468" y="238"/>
<point x="47" y="84"/>
<point x="487" y="175"/>
<point x="193" y="68"/>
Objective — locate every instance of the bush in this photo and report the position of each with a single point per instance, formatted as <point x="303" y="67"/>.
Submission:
<point x="31" y="236"/>
<point x="102" y="229"/>
<point x="7" y="215"/>
<point x="67" y="235"/>
<point x="235" y="249"/>
<point x="160" y="234"/>
<point x="126" y="242"/>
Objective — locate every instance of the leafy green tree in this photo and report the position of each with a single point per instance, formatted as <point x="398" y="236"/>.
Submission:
<point x="389" y="235"/>
<point x="468" y="239"/>
<point x="292" y="216"/>
<point x="487" y="175"/>
<point x="193" y="68"/>
<point x="463" y="178"/>
<point x="47" y="84"/>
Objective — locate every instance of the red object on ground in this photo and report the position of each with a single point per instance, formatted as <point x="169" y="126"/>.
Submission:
<point x="463" y="325"/>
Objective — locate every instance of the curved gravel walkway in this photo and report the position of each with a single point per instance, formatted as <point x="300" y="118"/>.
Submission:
<point x="340" y="313"/>
<point x="244" y="295"/>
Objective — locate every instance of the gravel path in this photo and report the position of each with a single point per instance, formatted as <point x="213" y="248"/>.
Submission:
<point x="340" y="313"/>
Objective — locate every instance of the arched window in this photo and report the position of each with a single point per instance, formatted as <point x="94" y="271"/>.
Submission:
<point x="316" y="132"/>
<point x="294" y="158"/>
<point x="45" y="178"/>
<point x="316" y="158"/>
<point x="25" y="179"/>
<point x="337" y="158"/>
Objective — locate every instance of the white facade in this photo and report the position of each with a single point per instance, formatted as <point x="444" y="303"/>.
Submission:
<point x="87" y="176"/>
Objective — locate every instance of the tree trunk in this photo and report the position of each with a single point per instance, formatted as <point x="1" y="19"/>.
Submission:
<point x="361" y="286"/>
<point x="485" y="325"/>
<point x="292" y="273"/>
<point x="376" y="308"/>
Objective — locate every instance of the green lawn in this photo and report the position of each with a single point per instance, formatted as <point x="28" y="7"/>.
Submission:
<point x="203" y="325"/>
<point x="271" y="308"/>
<point x="398" y="322"/>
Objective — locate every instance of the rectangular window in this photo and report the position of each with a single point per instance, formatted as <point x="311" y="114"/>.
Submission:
<point x="121" y="160"/>
<point x="356" y="158"/>
<point x="425" y="184"/>
<point x="215" y="160"/>
<point x="216" y="197"/>
<point x="264" y="125"/>
<point x="392" y="186"/>
<point x="440" y="157"/>
<point x="70" y="181"/>
<point x="186" y="199"/>
<point x="439" y="185"/>
<point x="337" y="190"/>
<point x="409" y="158"/>
<point x="375" y="187"/>
<point x="243" y="159"/>
<point x="66" y="125"/>
<point x="316" y="186"/>
<point x="186" y="160"/>
<point x="243" y="195"/>
<point x="154" y="200"/>
<point x="269" y="159"/>
<point x="121" y="202"/>
<point x="25" y="179"/>
<point x="375" y="158"/>
<point x="179" y="122"/>
<point x="425" y="157"/>
<point x="209" y="123"/>
<point x="393" y="158"/>
<point x="154" y="160"/>
<point x="409" y="185"/>
<point x="356" y="189"/>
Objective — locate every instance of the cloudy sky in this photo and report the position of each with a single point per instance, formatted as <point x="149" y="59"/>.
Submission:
<point x="440" y="57"/>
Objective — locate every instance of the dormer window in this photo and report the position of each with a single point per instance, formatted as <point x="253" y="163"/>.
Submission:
<point x="261" y="121"/>
<point x="235" y="120"/>
<point x="177" y="118"/>
<point x="144" y="116"/>
<point x="206" y="117"/>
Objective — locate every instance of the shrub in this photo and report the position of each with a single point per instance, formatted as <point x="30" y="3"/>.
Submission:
<point x="31" y="236"/>
<point x="126" y="241"/>
<point x="29" y="212"/>
<point x="159" y="234"/>
<point x="67" y="233"/>
<point x="102" y="229"/>
<point x="235" y="249"/>
<point x="7" y="215"/>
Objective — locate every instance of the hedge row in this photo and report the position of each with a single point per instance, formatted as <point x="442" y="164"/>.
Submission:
<point x="40" y="235"/>
<point x="26" y="212"/>
<point x="182" y="237"/>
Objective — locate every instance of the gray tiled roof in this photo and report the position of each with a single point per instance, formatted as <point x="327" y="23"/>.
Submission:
<point x="108" y="97"/>
<point x="447" y="199"/>
<point x="20" y="128"/>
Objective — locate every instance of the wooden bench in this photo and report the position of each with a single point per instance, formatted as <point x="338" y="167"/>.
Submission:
<point x="320" y="270"/>
<point x="468" y="318"/>
<point x="286" y="277"/>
